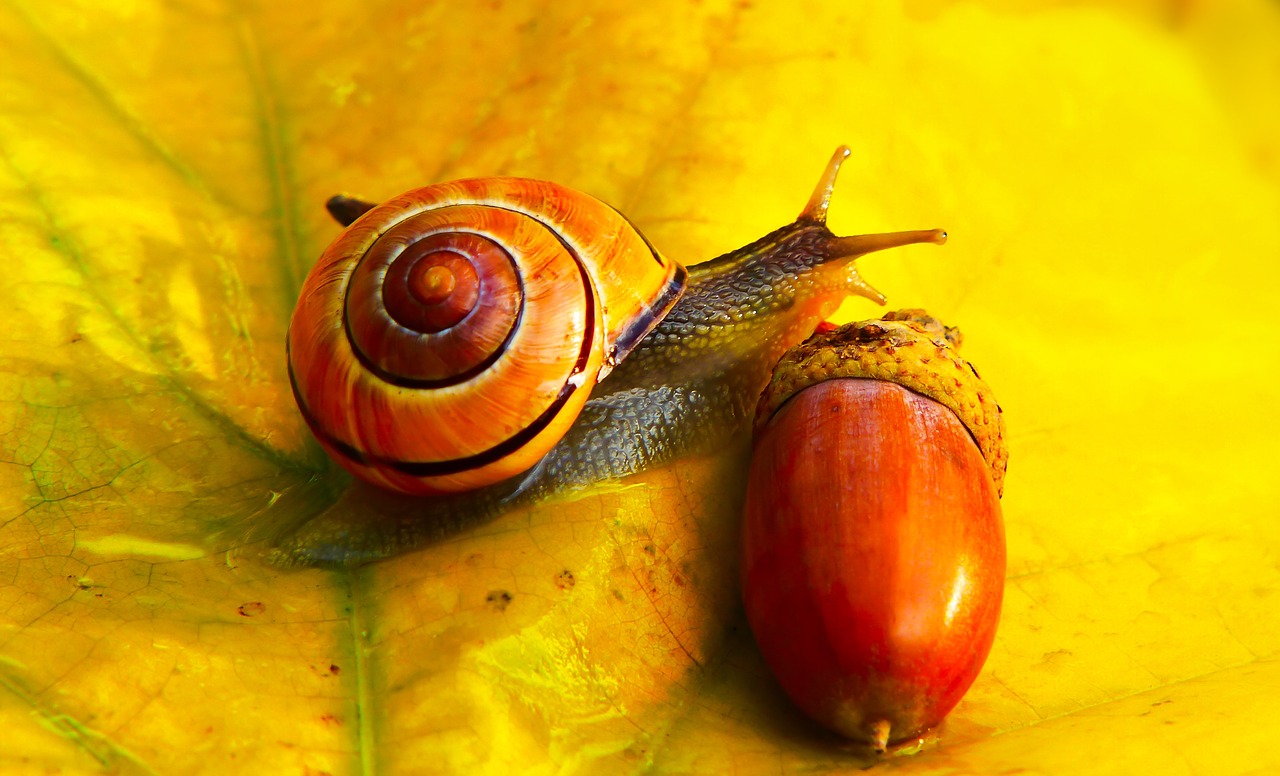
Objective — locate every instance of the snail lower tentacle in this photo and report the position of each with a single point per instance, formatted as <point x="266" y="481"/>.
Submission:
<point x="689" y="386"/>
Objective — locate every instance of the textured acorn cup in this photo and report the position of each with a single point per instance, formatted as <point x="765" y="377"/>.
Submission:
<point x="873" y="545"/>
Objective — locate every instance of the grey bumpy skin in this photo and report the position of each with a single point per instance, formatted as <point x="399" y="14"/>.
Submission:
<point x="690" y="386"/>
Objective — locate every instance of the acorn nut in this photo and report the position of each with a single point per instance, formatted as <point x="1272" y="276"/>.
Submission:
<point x="873" y="545"/>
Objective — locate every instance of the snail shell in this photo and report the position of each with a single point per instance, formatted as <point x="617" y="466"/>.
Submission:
<point x="449" y="336"/>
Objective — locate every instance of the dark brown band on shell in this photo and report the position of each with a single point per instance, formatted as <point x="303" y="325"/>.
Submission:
<point x="652" y="314"/>
<point x="434" y="468"/>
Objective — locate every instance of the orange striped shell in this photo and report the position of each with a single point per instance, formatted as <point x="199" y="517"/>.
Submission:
<point x="448" y="337"/>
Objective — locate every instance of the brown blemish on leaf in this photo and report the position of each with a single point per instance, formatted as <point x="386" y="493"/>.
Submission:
<point x="565" y="580"/>
<point x="83" y="584"/>
<point x="251" y="609"/>
<point x="498" y="600"/>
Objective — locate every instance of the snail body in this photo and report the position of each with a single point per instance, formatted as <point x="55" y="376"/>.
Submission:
<point x="688" y="384"/>
<point x="873" y="545"/>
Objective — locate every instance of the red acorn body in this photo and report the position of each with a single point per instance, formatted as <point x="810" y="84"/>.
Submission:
<point x="873" y="545"/>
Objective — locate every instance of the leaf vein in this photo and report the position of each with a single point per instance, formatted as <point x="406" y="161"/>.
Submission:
<point x="167" y="372"/>
<point x="116" y="108"/>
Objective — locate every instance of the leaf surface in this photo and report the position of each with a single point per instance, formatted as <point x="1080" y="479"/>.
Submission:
<point x="1110" y="177"/>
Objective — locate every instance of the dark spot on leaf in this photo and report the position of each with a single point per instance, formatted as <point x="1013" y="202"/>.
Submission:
<point x="474" y="559"/>
<point x="252" y="609"/>
<point x="333" y="669"/>
<point x="331" y="719"/>
<point x="649" y="549"/>
<point x="565" y="580"/>
<point x="76" y="338"/>
<point x="499" y="600"/>
<point x="618" y="594"/>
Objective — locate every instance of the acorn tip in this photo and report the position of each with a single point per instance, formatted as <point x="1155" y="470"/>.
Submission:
<point x="880" y="735"/>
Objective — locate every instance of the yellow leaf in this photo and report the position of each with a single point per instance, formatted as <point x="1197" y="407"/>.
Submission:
<point x="1110" y="177"/>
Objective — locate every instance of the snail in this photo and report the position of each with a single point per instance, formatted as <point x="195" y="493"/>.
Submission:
<point x="873" y="555"/>
<point x="685" y="351"/>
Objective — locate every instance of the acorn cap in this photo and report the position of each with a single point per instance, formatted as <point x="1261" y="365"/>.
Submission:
<point x="907" y="347"/>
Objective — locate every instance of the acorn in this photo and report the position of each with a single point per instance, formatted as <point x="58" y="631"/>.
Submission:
<point x="873" y="545"/>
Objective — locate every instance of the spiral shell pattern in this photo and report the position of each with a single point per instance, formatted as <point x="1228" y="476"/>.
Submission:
<point x="448" y="337"/>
